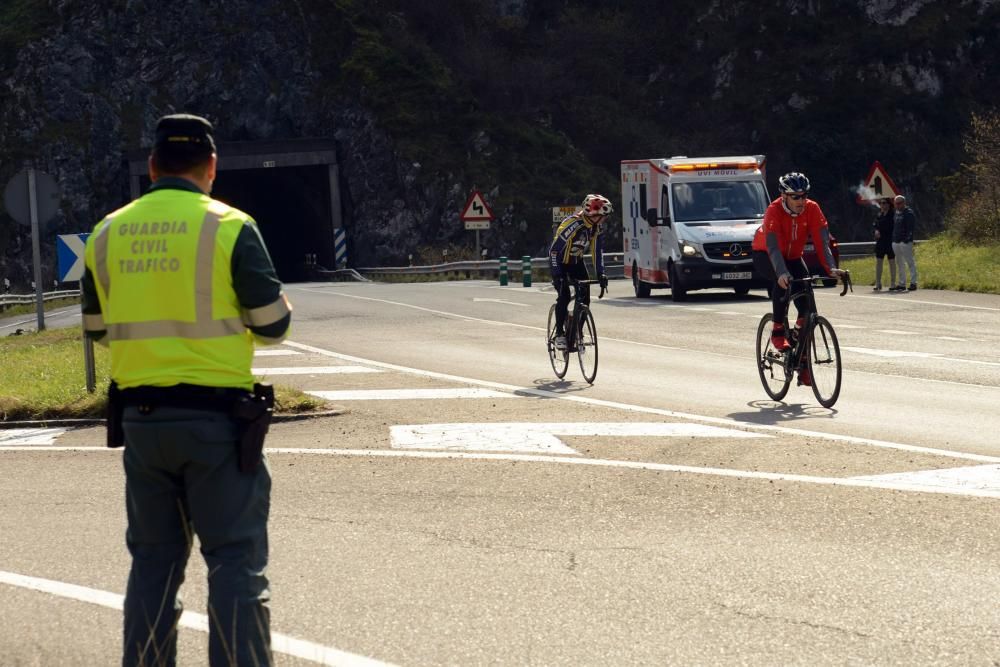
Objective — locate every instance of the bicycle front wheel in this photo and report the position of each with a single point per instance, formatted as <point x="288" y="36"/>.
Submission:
<point x="771" y="364"/>
<point x="558" y="358"/>
<point x="586" y="346"/>
<point x="824" y="362"/>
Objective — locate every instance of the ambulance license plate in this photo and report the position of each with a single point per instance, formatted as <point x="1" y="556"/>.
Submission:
<point x="738" y="275"/>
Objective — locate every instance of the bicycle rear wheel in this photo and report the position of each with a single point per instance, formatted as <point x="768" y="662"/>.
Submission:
<point x="558" y="358"/>
<point x="824" y="362"/>
<point x="771" y="364"/>
<point x="586" y="346"/>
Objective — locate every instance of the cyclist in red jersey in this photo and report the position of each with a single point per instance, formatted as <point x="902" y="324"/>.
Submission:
<point x="789" y="222"/>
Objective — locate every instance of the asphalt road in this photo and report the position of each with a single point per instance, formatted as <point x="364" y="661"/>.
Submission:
<point x="467" y="508"/>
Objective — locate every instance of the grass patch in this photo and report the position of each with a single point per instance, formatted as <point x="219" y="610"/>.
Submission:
<point x="43" y="377"/>
<point x="942" y="263"/>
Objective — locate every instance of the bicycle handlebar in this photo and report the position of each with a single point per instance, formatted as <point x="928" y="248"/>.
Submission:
<point x="845" y="278"/>
<point x="577" y="283"/>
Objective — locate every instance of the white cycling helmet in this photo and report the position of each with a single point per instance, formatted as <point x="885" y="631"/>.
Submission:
<point x="597" y="205"/>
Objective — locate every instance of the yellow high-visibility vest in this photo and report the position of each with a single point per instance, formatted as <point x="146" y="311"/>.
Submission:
<point x="162" y="268"/>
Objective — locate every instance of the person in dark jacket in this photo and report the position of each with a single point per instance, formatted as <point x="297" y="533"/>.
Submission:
<point x="883" y="243"/>
<point x="904" y="224"/>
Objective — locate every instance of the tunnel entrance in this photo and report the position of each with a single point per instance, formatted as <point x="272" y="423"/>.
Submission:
<point x="290" y="188"/>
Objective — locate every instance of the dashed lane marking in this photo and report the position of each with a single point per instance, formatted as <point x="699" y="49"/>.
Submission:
<point x="509" y="303"/>
<point x="312" y="370"/>
<point x="280" y="643"/>
<point x="408" y="394"/>
<point x="890" y="353"/>
<point x="274" y="353"/>
<point x="540" y="437"/>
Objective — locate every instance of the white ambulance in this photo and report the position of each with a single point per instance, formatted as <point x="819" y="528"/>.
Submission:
<point x="688" y="223"/>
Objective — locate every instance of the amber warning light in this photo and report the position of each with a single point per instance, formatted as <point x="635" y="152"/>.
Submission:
<point x="709" y="166"/>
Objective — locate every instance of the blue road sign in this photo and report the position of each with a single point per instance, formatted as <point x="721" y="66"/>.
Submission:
<point x="69" y="250"/>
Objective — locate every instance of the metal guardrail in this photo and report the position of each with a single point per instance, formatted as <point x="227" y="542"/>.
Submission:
<point x="489" y="268"/>
<point x="857" y="249"/>
<point x="613" y="262"/>
<point x="28" y="299"/>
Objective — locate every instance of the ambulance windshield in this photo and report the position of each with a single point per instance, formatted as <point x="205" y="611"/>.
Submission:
<point x="707" y="201"/>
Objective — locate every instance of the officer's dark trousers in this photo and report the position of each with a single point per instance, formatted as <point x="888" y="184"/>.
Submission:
<point x="182" y="480"/>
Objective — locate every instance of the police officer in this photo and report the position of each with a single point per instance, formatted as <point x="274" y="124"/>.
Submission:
<point x="180" y="285"/>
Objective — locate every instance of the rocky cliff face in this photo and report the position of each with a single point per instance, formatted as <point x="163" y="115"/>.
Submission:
<point x="87" y="82"/>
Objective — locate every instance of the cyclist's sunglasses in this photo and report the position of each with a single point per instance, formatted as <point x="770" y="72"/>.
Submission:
<point x="795" y="197"/>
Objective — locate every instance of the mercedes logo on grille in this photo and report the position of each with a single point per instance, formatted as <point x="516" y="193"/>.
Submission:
<point x="736" y="250"/>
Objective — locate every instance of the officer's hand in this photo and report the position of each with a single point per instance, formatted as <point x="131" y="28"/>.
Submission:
<point x="603" y="280"/>
<point x="783" y="280"/>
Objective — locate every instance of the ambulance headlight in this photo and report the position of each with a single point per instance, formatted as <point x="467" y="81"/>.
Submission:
<point x="689" y="250"/>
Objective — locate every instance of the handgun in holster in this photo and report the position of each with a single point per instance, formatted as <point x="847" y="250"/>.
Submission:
<point x="252" y="413"/>
<point x="115" y="413"/>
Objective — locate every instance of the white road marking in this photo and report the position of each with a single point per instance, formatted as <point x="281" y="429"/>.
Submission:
<point x="894" y="332"/>
<point x="918" y="355"/>
<point x="280" y="352"/>
<point x="312" y="370"/>
<point x="959" y="489"/>
<point x="957" y="340"/>
<point x="280" y="643"/>
<point x="539" y="437"/>
<point x="509" y="303"/>
<point x="21" y="437"/>
<point x="408" y="394"/>
<point x="621" y="340"/>
<point x="891" y="353"/>
<point x="855" y="482"/>
<point x="983" y="478"/>
<point x="722" y="421"/>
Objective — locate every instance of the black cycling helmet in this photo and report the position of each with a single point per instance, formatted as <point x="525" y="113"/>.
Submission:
<point x="793" y="182"/>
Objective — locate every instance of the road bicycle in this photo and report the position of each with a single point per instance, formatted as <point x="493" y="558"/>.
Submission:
<point x="815" y="348"/>
<point x="581" y="333"/>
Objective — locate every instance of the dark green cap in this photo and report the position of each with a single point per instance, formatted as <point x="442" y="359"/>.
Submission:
<point x="185" y="132"/>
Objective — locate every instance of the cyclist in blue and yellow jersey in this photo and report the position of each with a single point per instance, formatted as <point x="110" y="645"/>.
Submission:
<point x="577" y="235"/>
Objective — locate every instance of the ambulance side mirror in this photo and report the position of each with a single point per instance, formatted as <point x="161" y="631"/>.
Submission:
<point x="653" y="220"/>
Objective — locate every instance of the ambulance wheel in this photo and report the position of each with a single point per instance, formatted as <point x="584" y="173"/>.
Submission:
<point x="677" y="293"/>
<point x="641" y="288"/>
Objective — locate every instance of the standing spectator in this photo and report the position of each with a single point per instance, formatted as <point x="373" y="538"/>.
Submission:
<point x="180" y="286"/>
<point x="904" y="225"/>
<point x="883" y="243"/>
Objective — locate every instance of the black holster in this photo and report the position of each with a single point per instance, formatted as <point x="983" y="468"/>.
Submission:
<point x="115" y="411"/>
<point x="253" y="414"/>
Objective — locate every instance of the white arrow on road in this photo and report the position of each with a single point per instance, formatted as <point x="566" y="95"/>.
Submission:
<point x="541" y="437"/>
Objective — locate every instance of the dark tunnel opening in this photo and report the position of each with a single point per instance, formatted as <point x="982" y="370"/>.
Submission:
<point x="291" y="206"/>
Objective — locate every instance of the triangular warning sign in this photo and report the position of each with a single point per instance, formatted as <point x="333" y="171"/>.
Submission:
<point x="476" y="208"/>
<point x="877" y="186"/>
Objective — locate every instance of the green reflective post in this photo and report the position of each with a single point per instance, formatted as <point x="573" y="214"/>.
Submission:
<point x="503" y="271"/>
<point x="526" y="271"/>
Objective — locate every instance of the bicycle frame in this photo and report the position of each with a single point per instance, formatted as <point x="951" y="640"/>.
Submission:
<point x="579" y="306"/>
<point x="813" y="349"/>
